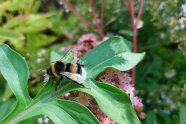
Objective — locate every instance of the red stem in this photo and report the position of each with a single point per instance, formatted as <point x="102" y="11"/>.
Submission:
<point x="102" y="14"/>
<point x="73" y="9"/>
<point x="135" y="30"/>
<point x="139" y="11"/>
<point x="131" y="12"/>
<point x="100" y="32"/>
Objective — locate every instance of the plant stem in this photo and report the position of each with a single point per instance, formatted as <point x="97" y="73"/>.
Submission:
<point x="134" y="21"/>
<point x="139" y="11"/>
<point x="99" y="28"/>
<point x="14" y="120"/>
<point x="21" y="112"/>
<point x="131" y="12"/>
<point x="102" y="14"/>
<point x="73" y="9"/>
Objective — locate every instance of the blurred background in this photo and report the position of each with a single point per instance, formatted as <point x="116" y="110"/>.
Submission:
<point x="36" y="27"/>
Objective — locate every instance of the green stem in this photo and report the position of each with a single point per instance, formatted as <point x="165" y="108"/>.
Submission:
<point x="13" y="113"/>
<point x="47" y="93"/>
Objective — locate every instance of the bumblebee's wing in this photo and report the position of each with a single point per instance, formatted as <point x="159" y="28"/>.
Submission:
<point x="75" y="77"/>
<point x="65" y="56"/>
<point x="68" y="56"/>
<point x="79" y="78"/>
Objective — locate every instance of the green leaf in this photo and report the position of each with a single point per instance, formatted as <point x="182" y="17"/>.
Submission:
<point x="127" y="32"/>
<point x="113" y="53"/>
<point x="16" y="38"/>
<point x="29" y="23"/>
<point x="8" y="93"/>
<point x="20" y="5"/>
<point x="6" y="107"/>
<point x="182" y="114"/>
<point x="64" y="112"/>
<point x="40" y="40"/>
<point x="117" y="101"/>
<point x="45" y="103"/>
<point x="151" y="118"/>
<point x="7" y="34"/>
<point x="15" y="70"/>
<point x="113" y="102"/>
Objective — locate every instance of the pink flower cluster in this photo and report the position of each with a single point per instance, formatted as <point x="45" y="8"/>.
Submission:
<point x="99" y="114"/>
<point x="111" y="76"/>
<point x="88" y="101"/>
<point x="84" y="45"/>
<point x="122" y="80"/>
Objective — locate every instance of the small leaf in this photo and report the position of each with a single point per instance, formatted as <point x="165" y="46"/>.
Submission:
<point x="114" y="53"/>
<point x="29" y="23"/>
<point x="15" y="70"/>
<point x="127" y="32"/>
<point x="7" y="34"/>
<point x="42" y="38"/>
<point x="64" y="112"/>
<point x="113" y="102"/>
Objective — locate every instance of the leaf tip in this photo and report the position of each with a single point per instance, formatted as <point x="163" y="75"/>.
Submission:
<point x="143" y="55"/>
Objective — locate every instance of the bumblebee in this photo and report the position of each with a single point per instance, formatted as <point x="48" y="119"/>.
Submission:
<point x="73" y="71"/>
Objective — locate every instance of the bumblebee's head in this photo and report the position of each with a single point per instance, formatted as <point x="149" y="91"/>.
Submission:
<point x="59" y="67"/>
<point x="55" y="68"/>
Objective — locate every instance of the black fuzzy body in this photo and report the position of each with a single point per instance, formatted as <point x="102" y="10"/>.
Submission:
<point x="57" y="68"/>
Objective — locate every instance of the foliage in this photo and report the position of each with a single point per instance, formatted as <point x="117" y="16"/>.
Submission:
<point x="160" y="77"/>
<point x="14" y="69"/>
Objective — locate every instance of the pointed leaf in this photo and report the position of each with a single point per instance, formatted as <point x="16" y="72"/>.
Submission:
<point x="127" y="32"/>
<point x="112" y="101"/>
<point x="15" y="70"/>
<point x="114" y="53"/>
<point x="7" y="34"/>
<point x="29" y="23"/>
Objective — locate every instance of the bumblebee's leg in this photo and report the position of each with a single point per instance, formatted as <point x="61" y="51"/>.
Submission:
<point x="83" y="65"/>
<point x="58" y="82"/>
<point x="82" y="86"/>
<point x="79" y="84"/>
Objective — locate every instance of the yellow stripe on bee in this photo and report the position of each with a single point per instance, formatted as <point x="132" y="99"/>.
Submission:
<point x="53" y="69"/>
<point x="73" y="67"/>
